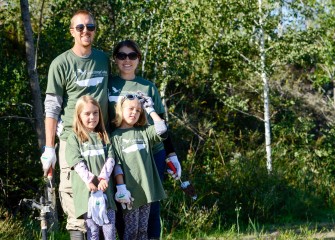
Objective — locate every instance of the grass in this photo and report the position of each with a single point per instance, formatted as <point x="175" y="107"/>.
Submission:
<point x="28" y="228"/>
<point x="301" y="232"/>
<point x="13" y="229"/>
<point x="22" y="230"/>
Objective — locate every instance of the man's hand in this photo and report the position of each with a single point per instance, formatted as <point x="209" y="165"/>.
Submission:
<point x="48" y="159"/>
<point x="176" y="175"/>
<point x="123" y="196"/>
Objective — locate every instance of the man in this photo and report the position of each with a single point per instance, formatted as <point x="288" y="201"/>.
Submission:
<point x="81" y="70"/>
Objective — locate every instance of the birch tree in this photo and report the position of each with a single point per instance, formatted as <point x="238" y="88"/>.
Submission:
<point x="266" y="97"/>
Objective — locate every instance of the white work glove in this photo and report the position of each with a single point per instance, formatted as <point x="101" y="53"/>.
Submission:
<point x="59" y="128"/>
<point x="176" y="164"/>
<point x="124" y="197"/>
<point x="147" y="103"/>
<point x="48" y="159"/>
<point x="97" y="209"/>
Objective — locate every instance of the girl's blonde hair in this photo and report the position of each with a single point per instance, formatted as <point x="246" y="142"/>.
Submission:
<point x="142" y="120"/>
<point x="78" y="126"/>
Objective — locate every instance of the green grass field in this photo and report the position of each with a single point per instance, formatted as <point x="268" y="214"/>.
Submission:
<point x="29" y="230"/>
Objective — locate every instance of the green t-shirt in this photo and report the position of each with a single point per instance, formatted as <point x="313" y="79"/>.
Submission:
<point x="94" y="153"/>
<point x="71" y="77"/>
<point x="133" y="150"/>
<point x="119" y="87"/>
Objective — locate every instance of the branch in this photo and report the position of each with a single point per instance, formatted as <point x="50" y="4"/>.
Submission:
<point x="248" y="61"/>
<point x="17" y="117"/>
<point x="245" y="113"/>
<point x="185" y="124"/>
<point x="147" y="43"/>
<point x="39" y="34"/>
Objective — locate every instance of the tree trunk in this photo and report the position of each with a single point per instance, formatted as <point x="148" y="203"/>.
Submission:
<point x="32" y="73"/>
<point x="265" y="92"/>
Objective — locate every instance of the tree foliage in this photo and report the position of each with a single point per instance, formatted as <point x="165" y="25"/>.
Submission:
<point x="203" y="56"/>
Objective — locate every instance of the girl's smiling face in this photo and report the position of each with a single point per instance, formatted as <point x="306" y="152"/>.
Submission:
<point x="90" y="116"/>
<point x="131" y="110"/>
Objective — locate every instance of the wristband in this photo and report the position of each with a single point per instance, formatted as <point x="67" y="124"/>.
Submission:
<point x="149" y="110"/>
<point x="49" y="147"/>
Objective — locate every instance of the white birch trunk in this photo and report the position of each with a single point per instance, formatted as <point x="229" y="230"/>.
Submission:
<point x="265" y="93"/>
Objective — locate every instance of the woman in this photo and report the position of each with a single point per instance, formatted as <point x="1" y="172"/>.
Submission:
<point x="127" y="56"/>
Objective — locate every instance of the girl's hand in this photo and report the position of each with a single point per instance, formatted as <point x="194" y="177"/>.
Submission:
<point x="103" y="185"/>
<point x="92" y="187"/>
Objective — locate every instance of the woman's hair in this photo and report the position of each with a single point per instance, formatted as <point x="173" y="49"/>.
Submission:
<point x="78" y="126"/>
<point x="128" y="43"/>
<point x="142" y="120"/>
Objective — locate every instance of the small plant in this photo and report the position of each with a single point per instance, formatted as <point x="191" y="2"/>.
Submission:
<point x="237" y="210"/>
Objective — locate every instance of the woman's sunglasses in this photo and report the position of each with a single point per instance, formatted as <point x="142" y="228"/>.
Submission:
<point x="80" y="27"/>
<point x="123" y="56"/>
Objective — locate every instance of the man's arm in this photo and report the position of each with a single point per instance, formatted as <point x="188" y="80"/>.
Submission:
<point x="50" y="131"/>
<point x="53" y="107"/>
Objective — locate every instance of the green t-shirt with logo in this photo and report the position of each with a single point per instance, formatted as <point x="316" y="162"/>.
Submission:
<point x="118" y="87"/>
<point x="94" y="153"/>
<point x="71" y="77"/>
<point x="133" y="150"/>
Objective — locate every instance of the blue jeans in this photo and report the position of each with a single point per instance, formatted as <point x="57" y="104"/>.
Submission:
<point x="154" y="224"/>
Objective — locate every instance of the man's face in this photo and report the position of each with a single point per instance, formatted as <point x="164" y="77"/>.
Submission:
<point x="83" y="37"/>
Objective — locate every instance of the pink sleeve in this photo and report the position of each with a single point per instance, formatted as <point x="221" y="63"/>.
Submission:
<point x="107" y="169"/>
<point x="83" y="172"/>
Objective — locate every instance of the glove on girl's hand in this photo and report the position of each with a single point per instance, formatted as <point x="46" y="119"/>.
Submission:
<point x="147" y="103"/>
<point x="48" y="158"/>
<point x="124" y="197"/>
<point x="176" y="175"/>
<point x="97" y="209"/>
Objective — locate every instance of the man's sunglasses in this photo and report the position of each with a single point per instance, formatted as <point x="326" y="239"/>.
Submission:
<point x="123" y="56"/>
<point x="80" y="27"/>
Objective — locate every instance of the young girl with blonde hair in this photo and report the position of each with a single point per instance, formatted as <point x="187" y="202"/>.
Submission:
<point x="132" y="142"/>
<point x="91" y="159"/>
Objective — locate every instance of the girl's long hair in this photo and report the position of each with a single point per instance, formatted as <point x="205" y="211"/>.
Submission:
<point x="78" y="126"/>
<point x="142" y="120"/>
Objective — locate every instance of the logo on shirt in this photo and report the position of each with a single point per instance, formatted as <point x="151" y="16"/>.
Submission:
<point x="115" y="90"/>
<point x="89" y="150"/>
<point x="132" y="145"/>
<point x="92" y="78"/>
<point x="114" y="95"/>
